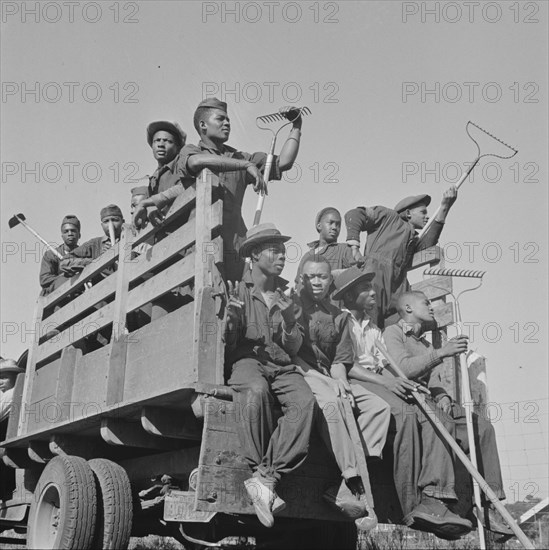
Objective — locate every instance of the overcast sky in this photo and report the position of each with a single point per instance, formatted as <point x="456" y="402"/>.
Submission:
<point x="391" y="86"/>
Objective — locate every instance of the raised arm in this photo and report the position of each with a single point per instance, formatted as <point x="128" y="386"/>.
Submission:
<point x="432" y="234"/>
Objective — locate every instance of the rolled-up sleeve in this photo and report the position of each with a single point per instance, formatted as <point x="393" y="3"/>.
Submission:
<point x="358" y="220"/>
<point x="291" y="341"/>
<point x="181" y="168"/>
<point x="167" y="197"/>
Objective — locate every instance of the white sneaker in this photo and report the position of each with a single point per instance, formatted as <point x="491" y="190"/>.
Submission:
<point x="264" y="501"/>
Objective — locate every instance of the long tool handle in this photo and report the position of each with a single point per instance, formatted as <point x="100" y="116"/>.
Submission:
<point x="111" y="233"/>
<point x="464" y="176"/>
<point x="266" y="176"/>
<point x="49" y="246"/>
<point x="430" y="413"/>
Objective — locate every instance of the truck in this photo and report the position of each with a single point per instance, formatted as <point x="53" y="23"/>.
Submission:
<point x="122" y="424"/>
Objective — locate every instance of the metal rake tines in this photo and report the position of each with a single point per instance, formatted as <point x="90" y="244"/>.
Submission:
<point x="278" y="117"/>
<point x="514" y="151"/>
<point x="471" y="273"/>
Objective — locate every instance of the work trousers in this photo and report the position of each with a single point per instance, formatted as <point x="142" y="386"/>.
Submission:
<point x="487" y="455"/>
<point x="272" y="449"/>
<point x="333" y="425"/>
<point x="422" y="461"/>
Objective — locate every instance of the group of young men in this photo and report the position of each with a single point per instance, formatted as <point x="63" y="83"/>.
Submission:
<point x="316" y="346"/>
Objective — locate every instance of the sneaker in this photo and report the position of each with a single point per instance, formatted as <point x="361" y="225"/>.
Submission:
<point x="341" y="498"/>
<point x="433" y="516"/>
<point x="263" y="499"/>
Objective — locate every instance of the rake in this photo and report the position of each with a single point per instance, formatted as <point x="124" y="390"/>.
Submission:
<point x="265" y="122"/>
<point x="466" y="387"/>
<point x="465" y="175"/>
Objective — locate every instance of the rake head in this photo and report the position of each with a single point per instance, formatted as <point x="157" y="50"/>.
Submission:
<point x="511" y="150"/>
<point x="469" y="273"/>
<point x="15" y="220"/>
<point x="279" y="117"/>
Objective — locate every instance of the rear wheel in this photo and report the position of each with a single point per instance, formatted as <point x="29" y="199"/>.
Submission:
<point x="63" y="508"/>
<point x="115" y="510"/>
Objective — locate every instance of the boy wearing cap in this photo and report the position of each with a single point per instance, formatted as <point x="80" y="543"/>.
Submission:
<point x="236" y="169"/>
<point x="417" y="358"/>
<point x="261" y="337"/>
<point x="392" y="242"/>
<point x="324" y="358"/>
<point x="423" y="467"/>
<point x="50" y="275"/>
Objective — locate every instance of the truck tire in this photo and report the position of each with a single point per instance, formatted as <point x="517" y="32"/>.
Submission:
<point x="64" y="506"/>
<point x="115" y="509"/>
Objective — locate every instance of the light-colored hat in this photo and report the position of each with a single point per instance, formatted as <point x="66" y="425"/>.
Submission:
<point x="9" y="365"/>
<point x="261" y="233"/>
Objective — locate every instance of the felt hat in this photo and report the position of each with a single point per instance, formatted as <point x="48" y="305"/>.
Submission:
<point x="410" y="202"/>
<point x="9" y="365"/>
<point x="111" y="210"/>
<point x="141" y="190"/>
<point x="171" y="127"/>
<point x="324" y="211"/>
<point x="212" y="103"/>
<point x="262" y="233"/>
<point x="72" y="219"/>
<point x="349" y="278"/>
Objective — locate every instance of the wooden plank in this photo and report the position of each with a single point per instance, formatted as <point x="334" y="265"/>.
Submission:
<point x="175" y="275"/>
<point x="15" y="412"/>
<point x="429" y="256"/>
<point x="117" y="359"/>
<point x="31" y="368"/>
<point x="444" y="315"/>
<point x="131" y="434"/>
<point x="206" y="337"/>
<point x="170" y="423"/>
<point x="434" y="287"/>
<point x="65" y="377"/>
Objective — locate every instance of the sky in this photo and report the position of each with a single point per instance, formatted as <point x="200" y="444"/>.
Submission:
<point x="391" y="86"/>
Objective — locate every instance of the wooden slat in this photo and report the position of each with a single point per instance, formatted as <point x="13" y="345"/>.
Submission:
<point x="170" y="423"/>
<point x="444" y="315"/>
<point x="434" y="287"/>
<point x="15" y="412"/>
<point x="175" y="275"/>
<point x="429" y="256"/>
<point x="65" y="378"/>
<point x="119" y="343"/>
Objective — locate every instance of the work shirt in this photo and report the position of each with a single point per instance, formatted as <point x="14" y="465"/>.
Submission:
<point x="364" y="334"/>
<point x="50" y="275"/>
<point x="326" y="334"/>
<point x="389" y="250"/>
<point x="410" y="350"/>
<point x="164" y="177"/>
<point x="89" y="251"/>
<point x="256" y="331"/>
<point x="6" y="398"/>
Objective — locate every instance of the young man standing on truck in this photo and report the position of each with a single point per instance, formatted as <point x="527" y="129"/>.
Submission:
<point x="392" y="242"/>
<point x="236" y="170"/>
<point x="50" y="275"/>
<point x="261" y="337"/>
<point x="324" y="358"/>
<point x="417" y="358"/>
<point x="423" y="468"/>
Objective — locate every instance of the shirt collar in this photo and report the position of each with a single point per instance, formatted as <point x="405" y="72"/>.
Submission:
<point x="308" y="302"/>
<point x="411" y="329"/>
<point x="366" y="320"/>
<point x="315" y="244"/>
<point x="280" y="282"/>
<point x="213" y="150"/>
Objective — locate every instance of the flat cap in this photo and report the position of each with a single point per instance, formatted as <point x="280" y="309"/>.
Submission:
<point x="212" y="103"/>
<point x="165" y="125"/>
<point x="410" y="202"/>
<point x="111" y="210"/>
<point x="259" y="234"/>
<point x="72" y="219"/>
<point x="141" y="190"/>
<point x="348" y="278"/>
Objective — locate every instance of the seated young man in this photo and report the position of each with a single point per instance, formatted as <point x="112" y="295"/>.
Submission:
<point x="423" y="467"/>
<point x="393" y="240"/>
<point x="324" y="357"/>
<point x="238" y="170"/>
<point x="261" y="337"/>
<point x="417" y="358"/>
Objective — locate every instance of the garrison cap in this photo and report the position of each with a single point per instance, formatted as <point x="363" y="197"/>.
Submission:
<point x="72" y="219"/>
<point x="10" y="365"/>
<point x="212" y="103"/>
<point x="410" y="202"/>
<point x="141" y="190"/>
<point x="261" y="233"/>
<point x="325" y="211"/>
<point x="111" y="210"/>
<point x="171" y="127"/>
<point x="348" y="278"/>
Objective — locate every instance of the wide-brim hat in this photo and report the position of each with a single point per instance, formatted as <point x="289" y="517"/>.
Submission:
<point x="410" y="202"/>
<point x="9" y="365"/>
<point x="349" y="278"/>
<point x="259" y="234"/>
<point x="165" y="125"/>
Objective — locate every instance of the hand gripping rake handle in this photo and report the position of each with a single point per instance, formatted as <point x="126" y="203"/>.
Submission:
<point x="263" y="124"/>
<point x="465" y="175"/>
<point x="20" y="219"/>
<point x="430" y="413"/>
